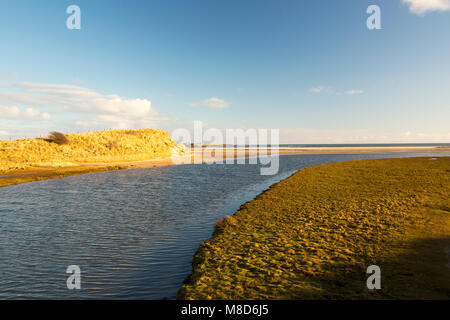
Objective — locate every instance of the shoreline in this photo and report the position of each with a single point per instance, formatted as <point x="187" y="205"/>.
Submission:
<point x="52" y="172"/>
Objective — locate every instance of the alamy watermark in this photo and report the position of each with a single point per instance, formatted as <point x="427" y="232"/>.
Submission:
<point x="374" y="280"/>
<point x="74" y="280"/>
<point x="373" y="22"/>
<point x="74" y="20"/>
<point x="230" y="146"/>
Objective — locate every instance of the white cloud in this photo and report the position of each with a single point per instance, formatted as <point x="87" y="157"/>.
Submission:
<point x="15" y="112"/>
<point x="46" y="116"/>
<point x="423" y="6"/>
<point x="31" y="113"/>
<point x="319" y="89"/>
<point x="87" y="105"/>
<point x="213" y="103"/>
<point x="77" y="81"/>
<point x="354" y="92"/>
<point x="332" y="91"/>
<point x="9" y="112"/>
<point x="3" y="133"/>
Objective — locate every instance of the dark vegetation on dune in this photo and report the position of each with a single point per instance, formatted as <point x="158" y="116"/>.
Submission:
<point x="58" y="138"/>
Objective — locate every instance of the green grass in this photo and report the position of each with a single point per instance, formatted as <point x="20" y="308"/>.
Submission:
<point x="313" y="235"/>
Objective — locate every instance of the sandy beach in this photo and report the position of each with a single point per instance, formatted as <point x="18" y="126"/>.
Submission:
<point x="198" y="155"/>
<point x="208" y="154"/>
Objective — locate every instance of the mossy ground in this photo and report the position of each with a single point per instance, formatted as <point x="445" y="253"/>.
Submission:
<point x="313" y="235"/>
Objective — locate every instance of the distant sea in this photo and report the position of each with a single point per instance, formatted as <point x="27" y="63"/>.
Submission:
<point x="364" y="145"/>
<point x="349" y="145"/>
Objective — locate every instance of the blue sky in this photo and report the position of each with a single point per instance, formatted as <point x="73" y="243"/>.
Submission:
<point x="310" y="68"/>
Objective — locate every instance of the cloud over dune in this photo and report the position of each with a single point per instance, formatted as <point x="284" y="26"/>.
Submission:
<point x="15" y="112"/>
<point x="86" y="105"/>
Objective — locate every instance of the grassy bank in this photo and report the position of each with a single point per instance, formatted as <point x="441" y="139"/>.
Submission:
<point x="35" y="159"/>
<point x="313" y="235"/>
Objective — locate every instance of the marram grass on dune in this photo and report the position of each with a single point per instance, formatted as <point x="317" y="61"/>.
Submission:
<point x="102" y="146"/>
<point x="313" y="235"/>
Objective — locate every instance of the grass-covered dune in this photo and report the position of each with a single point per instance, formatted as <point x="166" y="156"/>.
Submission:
<point x="61" y="155"/>
<point x="313" y="235"/>
<point x="101" y="146"/>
